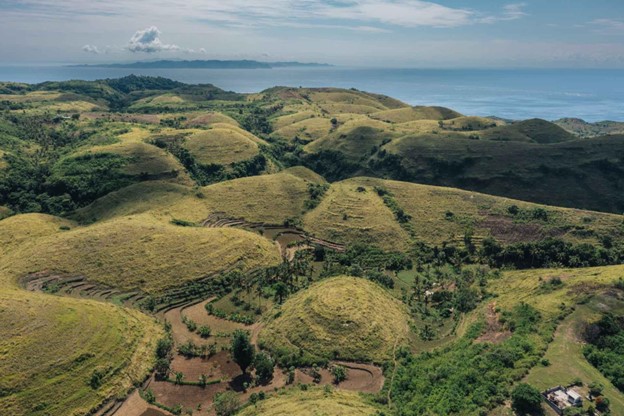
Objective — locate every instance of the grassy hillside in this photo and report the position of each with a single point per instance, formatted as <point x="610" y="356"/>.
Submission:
<point x="351" y="211"/>
<point x="339" y="318"/>
<point x="403" y="115"/>
<point x="355" y="210"/>
<point x="534" y="131"/>
<point x="267" y="198"/>
<point x="314" y="402"/>
<point x="221" y="146"/>
<point x="584" y="129"/>
<point x="565" y="353"/>
<point x="139" y="252"/>
<point x="51" y="346"/>
<point x="582" y="174"/>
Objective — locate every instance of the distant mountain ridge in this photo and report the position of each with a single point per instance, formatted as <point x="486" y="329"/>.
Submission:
<point x="206" y="64"/>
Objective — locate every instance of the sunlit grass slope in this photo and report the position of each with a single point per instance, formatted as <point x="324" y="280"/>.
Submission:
<point x="221" y="146"/>
<point x="141" y="252"/>
<point x="313" y="402"/>
<point x="50" y="345"/>
<point x="266" y="198"/>
<point x="351" y="211"/>
<point x="441" y="214"/>
<point x="343" y="317"/>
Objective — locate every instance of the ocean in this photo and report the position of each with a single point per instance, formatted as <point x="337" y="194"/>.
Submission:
<point x="589" y="94"/>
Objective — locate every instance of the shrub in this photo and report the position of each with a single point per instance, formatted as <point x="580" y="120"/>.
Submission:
<point x="339" y="373"/>
<point x="226" y="403"/>
<point x="265" y="366"/>
<point x="204" y="331"/>
<point x="162" y="369"/>
<point x="526" y="398"/>
<point x="316" y="374"/>
<point x="149" y="396"/>
<point x="163" y="347"/>
<point x="602" y="404"/>
<point x="97" y="378"/>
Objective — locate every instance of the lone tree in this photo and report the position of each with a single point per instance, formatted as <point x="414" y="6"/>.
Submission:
<point x="526" y="398"/>
<point x="264" y="367"/>
<point x="243" y="351"/>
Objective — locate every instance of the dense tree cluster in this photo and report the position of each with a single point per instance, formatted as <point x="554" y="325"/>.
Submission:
<point x="605" y="347"/>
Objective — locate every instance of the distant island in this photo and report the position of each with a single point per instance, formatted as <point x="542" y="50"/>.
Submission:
<point x="205" y="64"/>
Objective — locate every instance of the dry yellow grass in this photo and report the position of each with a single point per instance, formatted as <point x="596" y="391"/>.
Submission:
<point x="35" y="96"/>
<point x="295" y="117"/>
<point x="344" y="97"/>
<point x="50" y="345"/>
<point x="266" y="198"/>
<point x="472" y="123"/>
<point x="403" y="115"/>
<point x="308" y="129"/>
<point x="220" y="146"/>
<point x="313" y="402"/>
<point x="348" y="215"/>
<point x="485" y="215"/>
<point x="355" y="138"/>
<point x="162" y="199"/>
<point x="342" y="108"/>
<point x="203" y="119"/>
<point x="343" y="317"/>
<point x="144" y="159"/>
<point x="140" y="252"/>
<point x="29" y="227"/>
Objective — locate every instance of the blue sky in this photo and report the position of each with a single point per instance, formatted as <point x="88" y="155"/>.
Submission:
<point x="399" y="33"/>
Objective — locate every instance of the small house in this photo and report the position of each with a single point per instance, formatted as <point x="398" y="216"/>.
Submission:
<point x="574" y="398"/>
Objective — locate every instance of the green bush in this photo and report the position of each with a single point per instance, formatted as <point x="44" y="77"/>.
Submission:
<point x="526" y="398"/>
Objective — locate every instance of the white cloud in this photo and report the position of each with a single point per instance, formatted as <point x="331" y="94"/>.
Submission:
<point x="407" y="13"/>
<point x="608" y="26"/>
<point x="148" y="41"/>
<point x="512" y="11"/>
<point x="91" y="49"/>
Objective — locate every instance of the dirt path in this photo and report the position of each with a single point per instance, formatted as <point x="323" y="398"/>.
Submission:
<point x="136" y="406"/>
<point x="365" y="378"/>
<point x="494" y="333"/>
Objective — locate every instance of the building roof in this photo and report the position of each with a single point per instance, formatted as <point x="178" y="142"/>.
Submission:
<point x="573" y="394"/>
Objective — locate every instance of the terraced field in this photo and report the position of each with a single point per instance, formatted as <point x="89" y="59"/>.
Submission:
<point x="51" y="346"/>
<point x="138" y="252"/>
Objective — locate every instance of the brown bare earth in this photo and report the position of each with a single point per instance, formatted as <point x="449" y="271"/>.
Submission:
<point x="136" y="406"/>
<point x="360" y="377"/>
<point x="507" y="231"/>
<point x="365" y="378"/>
<point x="495" y="333"/>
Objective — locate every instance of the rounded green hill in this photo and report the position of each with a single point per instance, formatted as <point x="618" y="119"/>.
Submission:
<point x="344" y="318"/>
